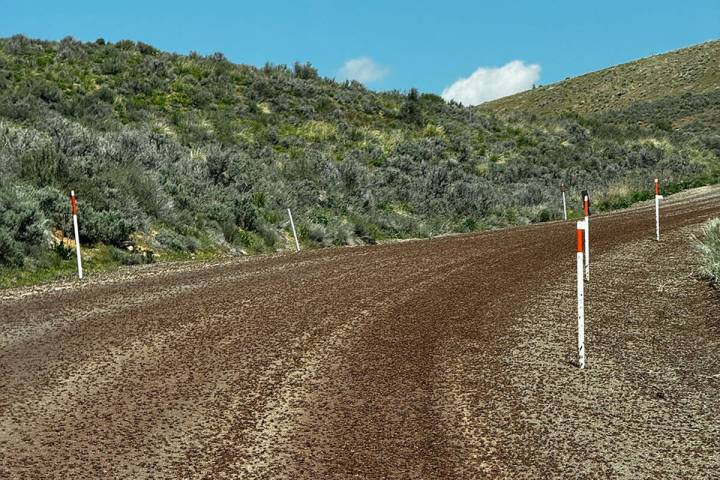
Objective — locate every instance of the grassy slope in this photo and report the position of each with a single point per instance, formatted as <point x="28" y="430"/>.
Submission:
<point x="693" y="70"/>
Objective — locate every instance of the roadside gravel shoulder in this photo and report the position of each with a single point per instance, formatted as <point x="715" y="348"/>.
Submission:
<point x="647" y="406"/>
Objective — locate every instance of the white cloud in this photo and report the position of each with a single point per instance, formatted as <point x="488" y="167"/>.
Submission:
<point x="490" y="83"/>
<point x="363" y="69"/>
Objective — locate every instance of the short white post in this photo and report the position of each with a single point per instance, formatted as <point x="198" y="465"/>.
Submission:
<point x="292" y="224"/>
<point x="657" y="209"/>
<point x="586" y="207"/>
<point x="73" y="203"/>
<point x="562" y="190"/>
<point x="580" y="295"/>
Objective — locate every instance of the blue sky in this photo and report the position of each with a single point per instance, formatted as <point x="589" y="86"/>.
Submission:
<point x="395" y="44"/>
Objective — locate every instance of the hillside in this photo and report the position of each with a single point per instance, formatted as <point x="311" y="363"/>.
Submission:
<point x="194" y="155"/>
<point x="690" y="71"/>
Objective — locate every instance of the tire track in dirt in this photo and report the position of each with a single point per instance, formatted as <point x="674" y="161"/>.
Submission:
<point x="294" y="415"/>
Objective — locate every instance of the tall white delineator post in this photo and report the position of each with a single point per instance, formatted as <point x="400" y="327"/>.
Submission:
<point x="292" y="224"/>
<point x="586" y="207"/>
<point x="73" y="203"/>
<point x="562" y="190"/>
<point x="657" y="209"/>
<point x="580" y="294"/>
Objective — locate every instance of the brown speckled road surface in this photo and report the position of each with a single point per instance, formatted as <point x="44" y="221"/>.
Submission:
<point x="445" y="358"/>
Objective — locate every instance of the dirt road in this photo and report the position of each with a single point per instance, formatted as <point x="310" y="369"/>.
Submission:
<point x="447" y="358"/>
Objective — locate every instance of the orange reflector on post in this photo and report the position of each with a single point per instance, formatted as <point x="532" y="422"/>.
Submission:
<point x="580" y="240"/>
<point x="657" y="187"/>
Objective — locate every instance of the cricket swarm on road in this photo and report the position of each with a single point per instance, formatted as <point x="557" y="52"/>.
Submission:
<point x="446" y="358"/>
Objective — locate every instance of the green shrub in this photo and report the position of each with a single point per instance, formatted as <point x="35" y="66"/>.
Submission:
<point x="175" y="241"/>
<point x="543" y="215"/>
<point x="367" y="232"/>
<point x="314" y="232"/>
<point x="469" y="225"/>
<point x="10" y="251"/>
<point x="123" y="257"/>
<point x="109" y="227"/>
<point x="616" y="202"/>
<point x="44" y="166"/>
<point x="271" y="237"/>
<point x="250" y="240"/>
<point x="55" y="206"/>
<point x="62" y="251"/>
<point x="22" y="225"/>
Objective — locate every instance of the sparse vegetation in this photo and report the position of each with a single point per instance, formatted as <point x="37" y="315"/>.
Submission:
<point x="708" y="245"/>
<point x="197" y="156"/>
<point x="644" y="84"/>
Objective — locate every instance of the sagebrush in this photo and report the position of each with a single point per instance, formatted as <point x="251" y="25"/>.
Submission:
<point x="708" y="245"/>
<point x="195" y="152"/>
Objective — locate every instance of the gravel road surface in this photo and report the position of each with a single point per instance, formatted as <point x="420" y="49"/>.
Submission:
<point x="443" y="358"/>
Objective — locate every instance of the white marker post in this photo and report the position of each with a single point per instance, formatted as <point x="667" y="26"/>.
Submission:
<point x="292" y="224"/>
<point x="562" y="190"/>
<point x="73" y="203"/>
<point x="657" y="209"/>
<point x="586" y="207"/>
<point x="580" y="294"/>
